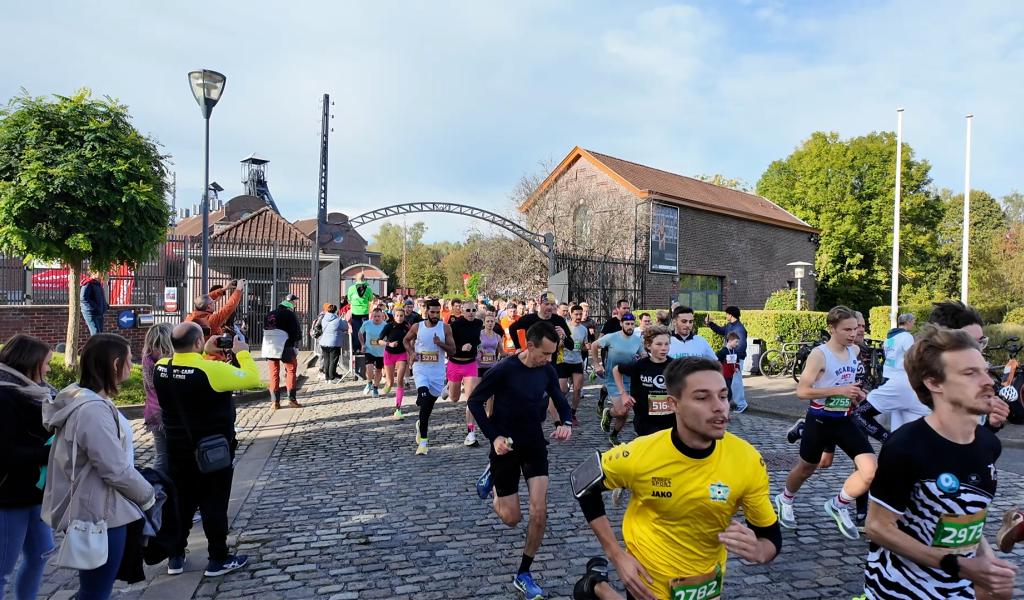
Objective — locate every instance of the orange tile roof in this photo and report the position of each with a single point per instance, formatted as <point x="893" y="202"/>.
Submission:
<point x="193" y="226"/>
<point x="264" y="224"/>
<point x="650" y="183"/>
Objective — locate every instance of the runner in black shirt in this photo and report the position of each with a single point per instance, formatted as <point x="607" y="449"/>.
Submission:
<point x="396" y="361"/>
<point x="613" y="324"/>
<point x="545" y="312"/>
<point x="935" y="481"/>
<point x="647" y="395"/>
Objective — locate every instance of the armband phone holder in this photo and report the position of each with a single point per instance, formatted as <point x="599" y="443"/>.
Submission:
<point x="589" y="474"/>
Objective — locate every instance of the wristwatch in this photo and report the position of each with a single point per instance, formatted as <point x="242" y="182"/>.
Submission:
<point x="950" y="564"/>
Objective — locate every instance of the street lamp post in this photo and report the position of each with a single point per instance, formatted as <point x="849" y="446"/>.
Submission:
<point x="207" y="87"/>
<point x="799" y="269"/>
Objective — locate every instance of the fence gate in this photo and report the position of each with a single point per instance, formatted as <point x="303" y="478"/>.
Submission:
<point x="601" y="281"/>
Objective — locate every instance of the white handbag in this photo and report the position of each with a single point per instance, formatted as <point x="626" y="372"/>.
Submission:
<point x="85" y="543"/>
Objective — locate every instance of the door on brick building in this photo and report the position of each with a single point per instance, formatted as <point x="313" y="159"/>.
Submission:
<point x="700" y="292"/>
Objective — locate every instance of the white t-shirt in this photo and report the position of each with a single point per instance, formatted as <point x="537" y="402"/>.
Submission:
<point x="895" y="348"/>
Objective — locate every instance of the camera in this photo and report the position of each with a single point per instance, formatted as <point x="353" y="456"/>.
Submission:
<point x="225" y="342"/>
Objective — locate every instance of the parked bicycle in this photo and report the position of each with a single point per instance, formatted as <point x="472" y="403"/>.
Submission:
<point x="1009" y="378"/>
<point x="789" y="359"/>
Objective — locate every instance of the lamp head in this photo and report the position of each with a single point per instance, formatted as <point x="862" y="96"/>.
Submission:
<point x="207" y="87"/>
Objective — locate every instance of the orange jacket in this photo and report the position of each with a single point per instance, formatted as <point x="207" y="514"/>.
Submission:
<point x="213" y="322"/>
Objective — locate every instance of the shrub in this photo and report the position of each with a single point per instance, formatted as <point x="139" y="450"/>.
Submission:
<point x="997" y="336"/>
<point x="1015" y="316"/>
<point x="784" y="299"/>
<point x="878" y="318"/>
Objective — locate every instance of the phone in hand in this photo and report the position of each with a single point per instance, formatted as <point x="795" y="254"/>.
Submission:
<point x="225" y="342"/>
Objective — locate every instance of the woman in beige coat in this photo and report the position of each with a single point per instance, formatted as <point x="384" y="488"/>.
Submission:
<point x="95" y="440"/>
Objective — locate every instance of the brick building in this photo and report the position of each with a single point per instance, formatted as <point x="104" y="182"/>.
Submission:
<point x="703" y="245"/>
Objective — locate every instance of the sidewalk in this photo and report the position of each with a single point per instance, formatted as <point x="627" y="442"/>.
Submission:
<point x="777" y="398"/>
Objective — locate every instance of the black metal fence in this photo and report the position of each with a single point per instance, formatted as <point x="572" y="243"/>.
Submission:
<point x="601" y="281"/>
<point x="272" y="269"/>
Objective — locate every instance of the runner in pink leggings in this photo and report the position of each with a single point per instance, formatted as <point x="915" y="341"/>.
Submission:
<point x="462" y="369"/>
<point x="396" y="360"/>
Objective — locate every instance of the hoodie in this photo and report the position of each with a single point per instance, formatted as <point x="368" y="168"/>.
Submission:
<point x="107" y="485"/>
<point x="23" y="447"/>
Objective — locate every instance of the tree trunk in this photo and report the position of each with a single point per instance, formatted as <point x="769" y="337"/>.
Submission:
<point x="74" y="308"/>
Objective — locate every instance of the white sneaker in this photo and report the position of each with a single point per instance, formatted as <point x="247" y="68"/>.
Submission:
<point x="786" y="517"/>
<point x="617" y="494"/>
<point x="471" y="439"/>
<point x="842" y="518"/>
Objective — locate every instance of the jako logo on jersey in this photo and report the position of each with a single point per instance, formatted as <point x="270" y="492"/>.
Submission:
<point x="661" y="494"/>
<point x="948" y="483"/>
<point x="719" y="492"/>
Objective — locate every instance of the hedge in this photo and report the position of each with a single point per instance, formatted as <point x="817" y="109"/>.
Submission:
<point x="131" y="392"/>
<point x="878" y="317"/>
<point x="768" y="325"/>
<point x="997" y="335"/>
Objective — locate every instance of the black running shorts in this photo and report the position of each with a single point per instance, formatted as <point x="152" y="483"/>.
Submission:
<point x="531" y="461"/>
<point x="565" y="370"/>
<point x="824" y="432"/>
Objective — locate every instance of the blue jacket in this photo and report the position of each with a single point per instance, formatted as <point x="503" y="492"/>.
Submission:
<point x="335" y="329"/>
<point x="741" y="350"/>
<point x="93" y="299"/>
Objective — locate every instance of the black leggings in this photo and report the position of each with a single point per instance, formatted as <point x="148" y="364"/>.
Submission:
<point x="425" y="400"/>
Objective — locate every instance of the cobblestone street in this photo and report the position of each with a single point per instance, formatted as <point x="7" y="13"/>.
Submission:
<point x="344" y="510"/>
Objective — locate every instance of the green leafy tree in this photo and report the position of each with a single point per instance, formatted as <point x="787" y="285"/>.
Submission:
<point x="389" y="240"/>
<point x="722" y="180"/>
<point x="845" y="189"/>
<point x="784" y="299"/>
<point x="78" y="182"/>
<point x="424" y="270"/>
<point x="1013" y="206"/>
<point x="986" y="280"/>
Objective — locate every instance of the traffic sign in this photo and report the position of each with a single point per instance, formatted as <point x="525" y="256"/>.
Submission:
<point x="126" y="319"/>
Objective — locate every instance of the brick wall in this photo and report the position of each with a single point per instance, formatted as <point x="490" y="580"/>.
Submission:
<point x="50" y="324"/>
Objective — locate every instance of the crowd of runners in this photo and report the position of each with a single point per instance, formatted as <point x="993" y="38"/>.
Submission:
<point x="922" y="501"/>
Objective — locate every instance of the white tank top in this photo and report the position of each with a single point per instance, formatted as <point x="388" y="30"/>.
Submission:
<point x="428" y="354"/>
<point x="837" y="373"/>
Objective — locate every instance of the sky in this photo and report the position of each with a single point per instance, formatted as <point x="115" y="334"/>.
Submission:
<point x="456" y="101"/>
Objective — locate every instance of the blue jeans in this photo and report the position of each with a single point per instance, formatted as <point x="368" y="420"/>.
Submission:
<point x="738" y="395"/>
<point x="96" y="584"/>
<point x="94" y="321"/>
<point x="23" y="533"/>
<point x="161" y="460"/>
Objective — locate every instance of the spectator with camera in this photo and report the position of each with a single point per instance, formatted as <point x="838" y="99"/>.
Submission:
<point x="212" y="319"/>
<point x="199" y="424"/>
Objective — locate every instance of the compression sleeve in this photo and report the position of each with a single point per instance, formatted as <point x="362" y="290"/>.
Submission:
<point x="772" y="533"/>
<point x="225" y="377"/>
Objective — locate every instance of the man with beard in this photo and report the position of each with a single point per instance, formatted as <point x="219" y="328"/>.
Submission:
<point x="428" y="344"/>
<point x="687" y="483"/>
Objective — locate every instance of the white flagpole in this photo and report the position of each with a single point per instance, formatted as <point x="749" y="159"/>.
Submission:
<point x="965" y="256"/>
<point x="894" y="300"/>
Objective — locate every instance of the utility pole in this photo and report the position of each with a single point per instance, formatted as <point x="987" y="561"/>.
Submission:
<point x="405" y="245"/>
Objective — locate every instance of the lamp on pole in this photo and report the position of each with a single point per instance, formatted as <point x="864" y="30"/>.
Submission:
<point x="965" y="249"/>
<point x="799" y="270"/>
<point x="207" y="87"/>
<point x="895" y="291"/>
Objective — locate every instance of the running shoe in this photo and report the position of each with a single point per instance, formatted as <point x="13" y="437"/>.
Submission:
<point x="575" y="420"/>
<point x="418" y="438"/>
<point x="597" y="572"/>
<point x="740" y="409"/>
<point x="613" y="438"/>
<point x="375" y="392"/>
<point x="216" y="568"/>
<point x="367" y="388"/>
<point x="606" y="420"/>
<point x="398" y="414"/>
<point x="842" y="519"/>
<point x="176" y="565"/>
<point x="617" y="494"/>
<point x="444" y="394"/>
<point x="527" y="587"/>
<point x="470" y="440"/>
<point x="421" y="448"/>
<point x="485" y="483"/>
<point x="386" y="390"/>
<point x="786" y="517"/>
<point x="1011" y="531"/>
<point x="796" y="431"/>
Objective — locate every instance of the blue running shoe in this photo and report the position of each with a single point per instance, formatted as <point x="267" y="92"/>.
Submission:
<point x="527" y="587"/>
<point x="485" y="484"/>
<point x="216" y="568"/>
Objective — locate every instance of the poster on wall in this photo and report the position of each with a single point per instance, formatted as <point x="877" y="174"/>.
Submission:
<point x="664" y="239"/>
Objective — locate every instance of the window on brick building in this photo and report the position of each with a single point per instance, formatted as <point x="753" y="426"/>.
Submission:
<point x="700" y="292"/>
<point x="581" y="223"/>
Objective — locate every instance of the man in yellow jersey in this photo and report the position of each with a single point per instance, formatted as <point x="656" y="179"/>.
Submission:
<point x="687" y="484"/>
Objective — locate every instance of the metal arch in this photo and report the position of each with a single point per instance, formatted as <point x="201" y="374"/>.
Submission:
<point x="544" y="243"/>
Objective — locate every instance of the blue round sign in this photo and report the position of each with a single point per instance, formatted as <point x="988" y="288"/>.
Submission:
<point x="126" y="319"/>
